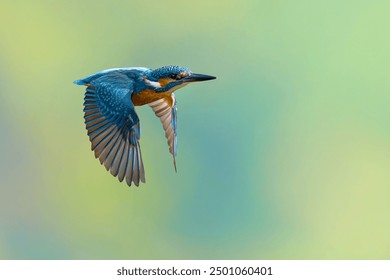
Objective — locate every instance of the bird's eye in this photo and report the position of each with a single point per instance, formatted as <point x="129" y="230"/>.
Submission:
<point x="173" y="76"/>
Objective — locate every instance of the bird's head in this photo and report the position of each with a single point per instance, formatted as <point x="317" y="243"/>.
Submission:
<point x="171" y="78"/>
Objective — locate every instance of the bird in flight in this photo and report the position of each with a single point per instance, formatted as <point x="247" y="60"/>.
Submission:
<point x="113" y="125"/>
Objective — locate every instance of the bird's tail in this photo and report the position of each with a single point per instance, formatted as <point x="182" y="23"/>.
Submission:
<point x="80" y="82"/>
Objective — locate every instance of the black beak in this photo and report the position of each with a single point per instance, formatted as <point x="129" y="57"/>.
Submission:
<point x="198" y="78"/>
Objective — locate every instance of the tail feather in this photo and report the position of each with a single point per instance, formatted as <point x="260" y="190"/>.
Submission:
<point x="80" y="82"/>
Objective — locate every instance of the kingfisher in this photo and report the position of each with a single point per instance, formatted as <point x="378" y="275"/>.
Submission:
<point x="113" y="126"/>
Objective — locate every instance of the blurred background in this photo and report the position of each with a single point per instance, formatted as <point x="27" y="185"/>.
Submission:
<point x="285" y="156"/>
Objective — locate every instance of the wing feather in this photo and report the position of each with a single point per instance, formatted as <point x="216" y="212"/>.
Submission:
<point x="166" y="110"/>
<point x="113" y="126"/>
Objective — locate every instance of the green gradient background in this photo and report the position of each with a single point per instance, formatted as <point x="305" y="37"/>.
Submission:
<point x="285" y="156"/>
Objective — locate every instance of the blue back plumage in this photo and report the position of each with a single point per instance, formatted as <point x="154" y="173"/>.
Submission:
<point x="131" y="72"/>
<point x="114" y="97"/>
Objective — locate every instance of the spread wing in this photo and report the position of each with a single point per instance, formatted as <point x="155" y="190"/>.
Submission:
<point x="166" y="110"/>
<point x="113" y="126"/>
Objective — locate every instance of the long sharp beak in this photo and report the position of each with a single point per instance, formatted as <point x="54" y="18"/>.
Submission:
<point x="198" y="78"/>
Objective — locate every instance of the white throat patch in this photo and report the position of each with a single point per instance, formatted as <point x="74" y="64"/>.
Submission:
<point x="154" y="84"/>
